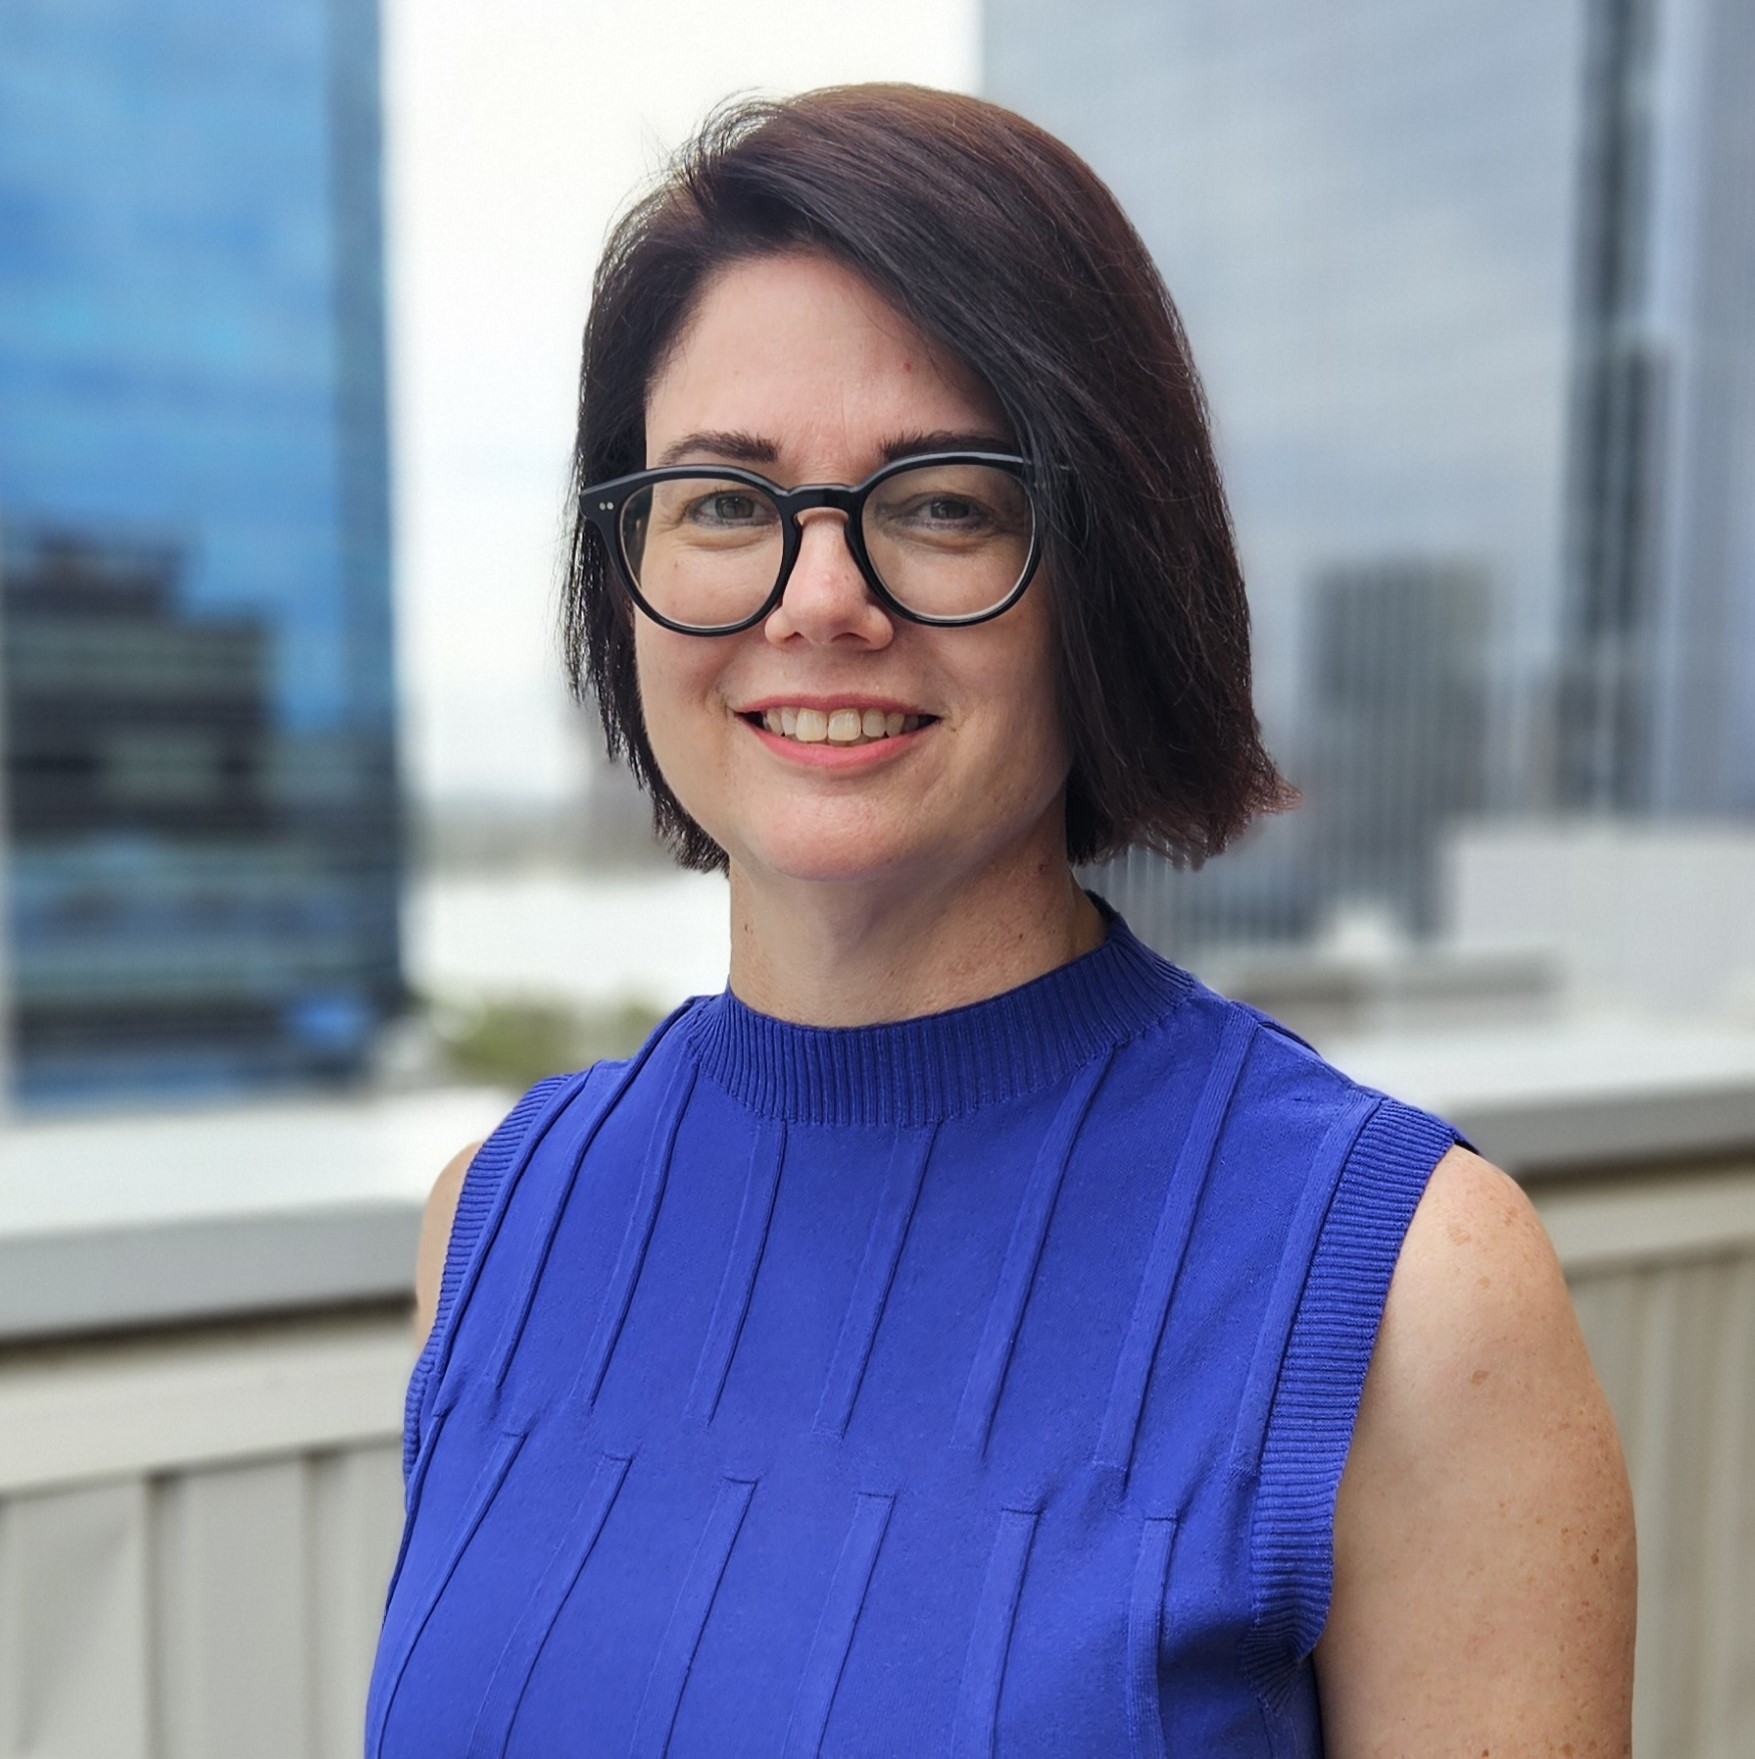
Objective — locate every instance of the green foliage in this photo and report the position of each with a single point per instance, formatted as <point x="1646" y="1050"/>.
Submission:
<point x="512" y="1043"/>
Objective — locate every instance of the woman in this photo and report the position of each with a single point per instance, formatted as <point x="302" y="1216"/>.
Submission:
<point x="950" y="1339"/>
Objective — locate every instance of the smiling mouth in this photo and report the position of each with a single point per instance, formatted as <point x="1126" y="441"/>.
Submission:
<point x="841" y="726"/>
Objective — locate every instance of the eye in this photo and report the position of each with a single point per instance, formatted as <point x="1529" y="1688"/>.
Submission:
<point x="952" y="510"/>
<point x="940" y="514"/>
<point x="727" y="507"/>
<point x="948" y="504"/>
<point x="937" y="508"/>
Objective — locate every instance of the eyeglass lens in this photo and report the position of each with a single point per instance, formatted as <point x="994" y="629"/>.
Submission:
<point x="946" y="540"/>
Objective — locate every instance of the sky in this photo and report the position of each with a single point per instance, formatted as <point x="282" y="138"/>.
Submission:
<point x="513" y="135"/>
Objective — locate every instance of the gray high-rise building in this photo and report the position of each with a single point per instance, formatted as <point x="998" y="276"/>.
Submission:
<point x="1657" y="684"/>
<point x="1471" y="289"/>
<point x="1395" y="727"/>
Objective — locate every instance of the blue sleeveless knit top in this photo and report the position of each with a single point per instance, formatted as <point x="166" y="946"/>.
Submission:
<point x="974" y="1385"/>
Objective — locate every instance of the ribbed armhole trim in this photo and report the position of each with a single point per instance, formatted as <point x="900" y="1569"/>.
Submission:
<point x="1310" y="1427"/>
<point x="475" y="1203"/>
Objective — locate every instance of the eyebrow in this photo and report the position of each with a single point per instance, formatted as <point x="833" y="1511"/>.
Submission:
<point x="738" y="447"/>
<point x="945" y="440"/>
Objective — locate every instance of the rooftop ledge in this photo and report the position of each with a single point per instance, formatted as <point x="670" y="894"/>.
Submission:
<point x="1590" y="1093"/>
<point x="168" y="1218"/>
<point x="163" y="1219"/>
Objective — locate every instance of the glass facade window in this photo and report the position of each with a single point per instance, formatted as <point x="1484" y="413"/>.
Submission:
<point x="201" y="839"/>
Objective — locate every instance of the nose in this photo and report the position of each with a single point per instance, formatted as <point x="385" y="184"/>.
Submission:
<point x="827" y="600"/>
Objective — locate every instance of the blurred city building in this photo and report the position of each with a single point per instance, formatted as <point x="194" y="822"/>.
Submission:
<point x="201" y="846"/>
<point x="1396" y="732"/>
<point x="1473" y="294"/>
<point x="1657" y="685"/>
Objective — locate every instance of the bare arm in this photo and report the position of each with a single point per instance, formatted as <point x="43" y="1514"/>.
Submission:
<point x="1484" y="1561"/>
<point x="435" y="1236"/>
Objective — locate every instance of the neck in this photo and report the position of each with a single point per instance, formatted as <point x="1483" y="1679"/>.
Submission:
<point x="828" y="953"/>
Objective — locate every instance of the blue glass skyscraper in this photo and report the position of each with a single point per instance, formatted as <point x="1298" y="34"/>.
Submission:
<point x="201" y="826"/>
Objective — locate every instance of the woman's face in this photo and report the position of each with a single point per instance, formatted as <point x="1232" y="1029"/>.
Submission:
<point x="794" y="367"/>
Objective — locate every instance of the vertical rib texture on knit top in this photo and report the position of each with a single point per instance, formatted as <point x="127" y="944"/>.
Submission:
<point x="977" y="1384"/>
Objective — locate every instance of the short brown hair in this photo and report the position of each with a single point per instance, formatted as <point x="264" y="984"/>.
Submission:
<point x="1002" y="245"/>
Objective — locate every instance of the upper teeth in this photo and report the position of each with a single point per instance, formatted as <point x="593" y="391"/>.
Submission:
<point x="842" y="726"/>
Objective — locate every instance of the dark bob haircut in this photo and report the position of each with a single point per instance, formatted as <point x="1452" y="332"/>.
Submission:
<point x="1004" y="247"/>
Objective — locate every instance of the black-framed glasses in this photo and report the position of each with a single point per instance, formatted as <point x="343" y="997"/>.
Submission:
<point x="943" y="538"/>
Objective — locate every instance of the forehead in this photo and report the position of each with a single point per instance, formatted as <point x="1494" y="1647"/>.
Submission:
<point x="803" y="352"/>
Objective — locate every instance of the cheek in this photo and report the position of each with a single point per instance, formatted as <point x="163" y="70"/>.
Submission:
<point x="673" y="670"/>
<point x="1025" y="677"/>
<point x="688" y="728"/>
<point x="669" y="674"/>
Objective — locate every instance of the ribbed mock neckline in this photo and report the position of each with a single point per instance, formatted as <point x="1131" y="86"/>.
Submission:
<point x="920" y="1071"/>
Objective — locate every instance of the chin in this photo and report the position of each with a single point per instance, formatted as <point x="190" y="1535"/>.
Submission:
<point x="827" y="854"/>
<point x="830" y="866"/>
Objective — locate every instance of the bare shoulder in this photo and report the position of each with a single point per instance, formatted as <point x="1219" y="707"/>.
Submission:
<point x="435" y="1237"/>
<point x="1477" y="1277"/>
<point x="1484" y="1563"/>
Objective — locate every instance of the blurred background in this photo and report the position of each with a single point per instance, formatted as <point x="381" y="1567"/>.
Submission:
<point x="307" y="863"/>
